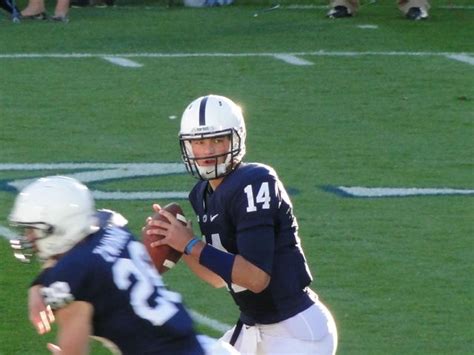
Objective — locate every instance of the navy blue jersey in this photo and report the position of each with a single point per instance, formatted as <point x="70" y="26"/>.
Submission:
<point x="250" y="214"/>
<point x="132" y="308"/>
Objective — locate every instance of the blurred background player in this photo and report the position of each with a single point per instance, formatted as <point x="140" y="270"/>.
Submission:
<point x="251" y="241"/>
<point x="412" y="9"/>
<point x="98" y="279"/>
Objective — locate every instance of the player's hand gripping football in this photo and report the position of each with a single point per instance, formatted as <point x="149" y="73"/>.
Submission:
<point x="176" y="234"/>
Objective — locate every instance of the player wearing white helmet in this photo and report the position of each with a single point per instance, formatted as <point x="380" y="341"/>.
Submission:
<point x="250" y="237"/>
<point x="58" y="212"/>
<point x="99" y="280"/>
<point x="212" y="117"/>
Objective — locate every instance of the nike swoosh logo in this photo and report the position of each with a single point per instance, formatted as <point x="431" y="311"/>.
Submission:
<point x="214" y="217"/>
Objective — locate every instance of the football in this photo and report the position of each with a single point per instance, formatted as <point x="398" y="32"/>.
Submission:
<point x="163" y="257"/>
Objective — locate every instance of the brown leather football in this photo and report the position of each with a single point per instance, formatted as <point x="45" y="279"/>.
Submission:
<point x="164" y="257"/>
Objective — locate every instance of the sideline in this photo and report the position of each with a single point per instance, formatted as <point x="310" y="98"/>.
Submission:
<point x="318" y="53"/>
<point x="377" y="192"/>
<point x="292" y="58"/>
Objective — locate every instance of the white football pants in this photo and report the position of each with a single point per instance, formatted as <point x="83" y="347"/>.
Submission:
<point x="312" y="331"/>
<point x="213" y="346"/>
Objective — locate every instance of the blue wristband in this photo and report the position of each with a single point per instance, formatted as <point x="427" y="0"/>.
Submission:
<point x="190" y="245"/>
<point x="218" y="261"/>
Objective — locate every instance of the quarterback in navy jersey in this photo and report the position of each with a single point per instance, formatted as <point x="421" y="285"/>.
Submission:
<point x="264" y="233"/>
<point x="100" y="280"/>
<point x="250" y="237"/>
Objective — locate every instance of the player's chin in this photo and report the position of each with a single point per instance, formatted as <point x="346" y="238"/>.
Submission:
<point x="208" y="163"/>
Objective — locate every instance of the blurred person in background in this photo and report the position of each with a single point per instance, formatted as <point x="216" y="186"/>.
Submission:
<point x="412" y="9"/>
<point x="97" y="279"/>
<point x="9" y="6"/>
<point x="36" y="10"/>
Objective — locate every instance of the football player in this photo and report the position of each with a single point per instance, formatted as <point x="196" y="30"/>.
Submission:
<point x="98" y="279"/>
<point x="251" y="243"/>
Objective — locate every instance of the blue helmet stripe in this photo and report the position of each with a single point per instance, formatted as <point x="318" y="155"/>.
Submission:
<point x="202" y="111"/>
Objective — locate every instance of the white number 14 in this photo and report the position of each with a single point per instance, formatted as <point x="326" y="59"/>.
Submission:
<point x="263" y="197"/>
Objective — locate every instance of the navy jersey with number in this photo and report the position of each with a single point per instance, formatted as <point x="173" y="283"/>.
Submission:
<point x="250" y="214"/>
<point x="132" y="308"/>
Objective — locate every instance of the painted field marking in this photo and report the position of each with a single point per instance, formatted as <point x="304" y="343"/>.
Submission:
<point x="368" y="27"/>
<point x="123" y="62"/>
<point x="100" y="172"/>
<point x="211" y="323"/>
<point x="143" y="195"/>
<point x="374" y="192"/>
<point x="292" y="59"/>
<point x="371" y="2"/>
<point x="462" y="58"/>
<point x="318" y="53"/>
<point x="306" y="7"/>
<point x="456" y="7"/>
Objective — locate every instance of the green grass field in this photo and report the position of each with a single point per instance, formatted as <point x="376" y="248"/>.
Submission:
<point x="381" y="102"/>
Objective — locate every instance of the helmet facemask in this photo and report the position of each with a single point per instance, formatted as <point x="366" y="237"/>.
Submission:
<point x="24" y="246"/>
<point x="233" y="156"/>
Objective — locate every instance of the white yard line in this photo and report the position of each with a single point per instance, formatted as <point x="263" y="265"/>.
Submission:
<point x="456" y="7"/>
<point x="292" y="59"/>
<point x="209" y="322"/>
<point x="362" y="191"/>
<point x="169" y="167"/>
<point x="462" y="58"/>
<point x="123" y="62"/>
<point x="318" y="53"/>
<point x="142" y="195"/>
<point x="305" y="7"/>
<point x="368" y="27"/>
<point x="325" y="7"/>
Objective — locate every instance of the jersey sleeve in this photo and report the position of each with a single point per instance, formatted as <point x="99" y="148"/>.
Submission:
<point x="255" y="208"/>
<point x="64" y="283"/>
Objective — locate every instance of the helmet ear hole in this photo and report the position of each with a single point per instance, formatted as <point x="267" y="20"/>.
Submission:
<point x="51" y="230"/>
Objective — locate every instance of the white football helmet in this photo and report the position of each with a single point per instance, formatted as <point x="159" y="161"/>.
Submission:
<point x="209" y="117"/>
<point x="59" y="209"/>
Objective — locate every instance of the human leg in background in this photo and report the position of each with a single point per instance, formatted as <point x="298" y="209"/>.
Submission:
<point x="342" y="8"/>
<point x="34" y="10"/>
<point x="414" y="9"/>
<point x="61" y="10"/>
